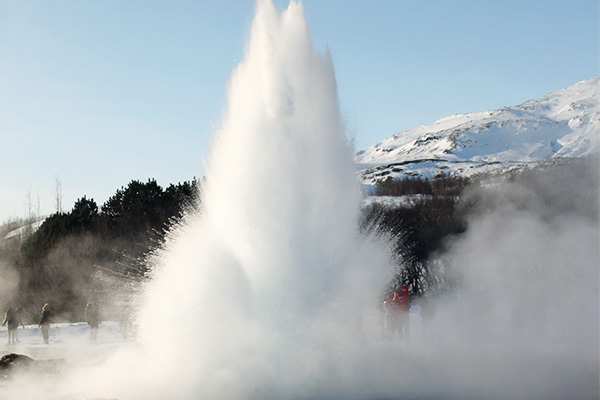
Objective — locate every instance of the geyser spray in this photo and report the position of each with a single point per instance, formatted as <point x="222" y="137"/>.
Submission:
<point x="262" y="291"/>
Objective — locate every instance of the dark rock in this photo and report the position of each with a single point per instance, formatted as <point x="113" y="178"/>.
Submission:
<point x="11" y="363"/>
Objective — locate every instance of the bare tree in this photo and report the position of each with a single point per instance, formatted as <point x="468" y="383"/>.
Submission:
<point x="58" y="194"/>
<point x="38" y="206"/>
<point x="30" y="212"/>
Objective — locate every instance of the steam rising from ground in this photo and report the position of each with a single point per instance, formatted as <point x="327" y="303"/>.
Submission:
<point x="271" y="293"/>
<point x="527" y="300"/>
<point x="530" y="256"/>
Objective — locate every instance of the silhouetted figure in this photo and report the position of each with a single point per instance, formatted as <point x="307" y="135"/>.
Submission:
<point x="45" y="322"/>
<point x="401" y="307"/>
<point x="92" y="313"/>
<point x="11" y="324"/>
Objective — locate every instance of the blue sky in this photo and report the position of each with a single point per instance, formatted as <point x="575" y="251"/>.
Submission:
<point x="97" y="93"/>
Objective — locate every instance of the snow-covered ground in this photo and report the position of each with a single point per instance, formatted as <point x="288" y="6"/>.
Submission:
<point x="68" y="341"/>
<point x="394" y="201"/>
<point x="435" y="364"/>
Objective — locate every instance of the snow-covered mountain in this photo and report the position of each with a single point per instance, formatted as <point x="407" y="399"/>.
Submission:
<point x="562" y="124"/>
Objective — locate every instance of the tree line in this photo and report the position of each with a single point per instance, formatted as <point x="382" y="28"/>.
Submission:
<point x="419" y="228"/>
<point x="74" y="255"/>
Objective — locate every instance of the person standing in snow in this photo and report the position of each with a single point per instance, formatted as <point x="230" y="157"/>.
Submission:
<point x="45" y="323"/>
<point x="11" y="324"/>
<point x="401" y="308"/>
<point x="93" y="319"/>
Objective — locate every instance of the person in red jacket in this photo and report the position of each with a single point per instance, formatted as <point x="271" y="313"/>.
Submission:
<point x="401" y="305"/>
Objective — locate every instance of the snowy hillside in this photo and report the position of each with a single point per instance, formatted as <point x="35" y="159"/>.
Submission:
<point x="562" y="124"/>
<point x="22" y="229"/>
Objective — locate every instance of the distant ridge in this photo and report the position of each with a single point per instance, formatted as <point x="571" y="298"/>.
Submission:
<point x="562" y="124"/>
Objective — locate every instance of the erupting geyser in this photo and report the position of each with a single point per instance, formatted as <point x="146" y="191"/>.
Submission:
<point x="260" y="294"/>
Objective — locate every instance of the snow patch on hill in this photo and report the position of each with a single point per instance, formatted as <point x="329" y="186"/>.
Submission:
<point x="25" y="229"/>
<point x="562" y="124"/>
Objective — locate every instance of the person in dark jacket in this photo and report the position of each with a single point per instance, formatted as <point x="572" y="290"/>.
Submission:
<point x="45" y="323"/>
<point x="93" y="319"/>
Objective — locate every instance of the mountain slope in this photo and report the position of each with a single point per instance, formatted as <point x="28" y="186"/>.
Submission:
<point x="562" y="124"/>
